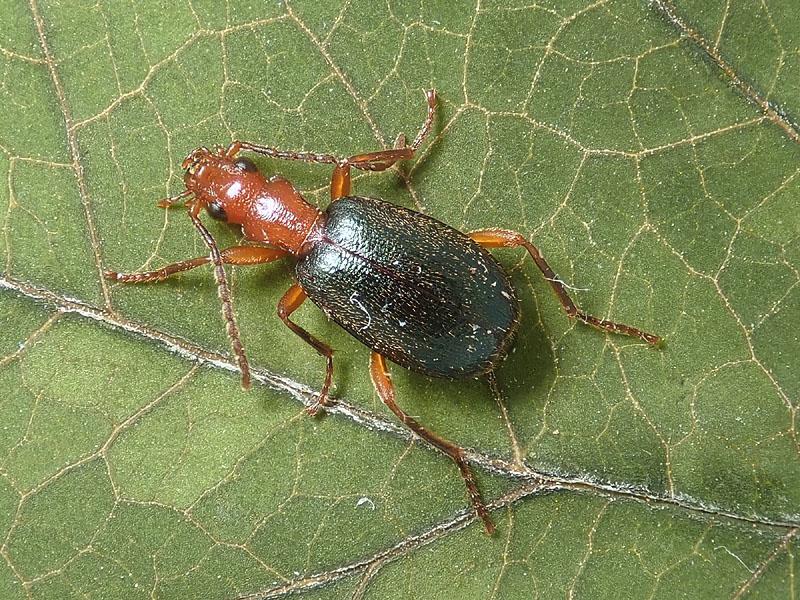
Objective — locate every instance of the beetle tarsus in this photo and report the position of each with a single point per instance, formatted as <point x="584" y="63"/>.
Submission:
<point x="605" y="325"/>
<point x="474" y="495"/>
<point x="323" y="401"/>
<point x="505" y="238"/>
<point x="385" y="389"/>
<point x="318" y="404"/>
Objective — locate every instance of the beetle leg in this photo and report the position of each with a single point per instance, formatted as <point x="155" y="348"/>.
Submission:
<point x="504" y="238"/>
<point x="370" y="161"/>
<point x="340" y="182"/>
<point x="290" y="302"/>
<point x="383" y="384"/>
<point x="381" y="160"/>
<point x="172" y="199"/>
<point x="235" y="255"/>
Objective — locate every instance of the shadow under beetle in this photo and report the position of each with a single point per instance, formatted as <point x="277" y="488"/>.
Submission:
<point x="411" y="288"/>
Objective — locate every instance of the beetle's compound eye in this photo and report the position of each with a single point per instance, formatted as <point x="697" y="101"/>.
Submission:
<point x="247" y="165"/>
<point x="216" y="211"/>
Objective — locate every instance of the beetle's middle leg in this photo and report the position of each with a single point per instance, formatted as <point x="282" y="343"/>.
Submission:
<point x="504" y="238"/>
<point x="291" y="301"/>
<point x="385" y="389"/>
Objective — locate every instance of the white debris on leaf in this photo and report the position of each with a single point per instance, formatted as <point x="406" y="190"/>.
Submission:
<point x="365" y="500"/>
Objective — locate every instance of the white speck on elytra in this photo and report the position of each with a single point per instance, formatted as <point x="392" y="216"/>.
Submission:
<point x="356" y="302"/>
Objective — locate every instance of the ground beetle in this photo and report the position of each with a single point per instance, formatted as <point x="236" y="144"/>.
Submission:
<point x="414" y="290"/>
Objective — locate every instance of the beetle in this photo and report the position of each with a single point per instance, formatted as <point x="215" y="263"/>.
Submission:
<point x="414" y="290"/>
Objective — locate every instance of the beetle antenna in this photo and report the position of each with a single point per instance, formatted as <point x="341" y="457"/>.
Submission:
<point x="426" y="126"/>
<point x="225" y="296"/>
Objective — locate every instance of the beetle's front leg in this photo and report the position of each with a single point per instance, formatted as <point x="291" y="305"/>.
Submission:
<point x="340" y="182"/>
<point x="381" y="160"/>
<point x="235" y="255"/>
<point x="290" y="302"/>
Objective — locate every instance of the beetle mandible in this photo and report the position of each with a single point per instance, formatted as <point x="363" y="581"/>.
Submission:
<point x="412" y="289"/>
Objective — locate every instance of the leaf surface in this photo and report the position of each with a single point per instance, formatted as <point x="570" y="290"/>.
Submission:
<point x="651" y="153"/>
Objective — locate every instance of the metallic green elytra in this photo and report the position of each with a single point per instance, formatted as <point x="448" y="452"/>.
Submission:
<point x="415" y="290"/>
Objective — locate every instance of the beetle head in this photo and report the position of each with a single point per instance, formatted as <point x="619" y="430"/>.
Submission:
<point x="203" y="166"/>
<point x="216" y="180"/>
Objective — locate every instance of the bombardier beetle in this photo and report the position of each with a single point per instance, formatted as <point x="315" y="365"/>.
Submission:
<point x="414" y="290"/>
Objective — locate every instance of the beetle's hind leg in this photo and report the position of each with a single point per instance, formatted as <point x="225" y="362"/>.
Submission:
<point x="385" y="389"/>
<point x="291" y="301"/>
<point x="504" y="238"/>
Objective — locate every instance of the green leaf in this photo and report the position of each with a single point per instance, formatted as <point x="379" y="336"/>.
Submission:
<point x="650" y="151"/>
